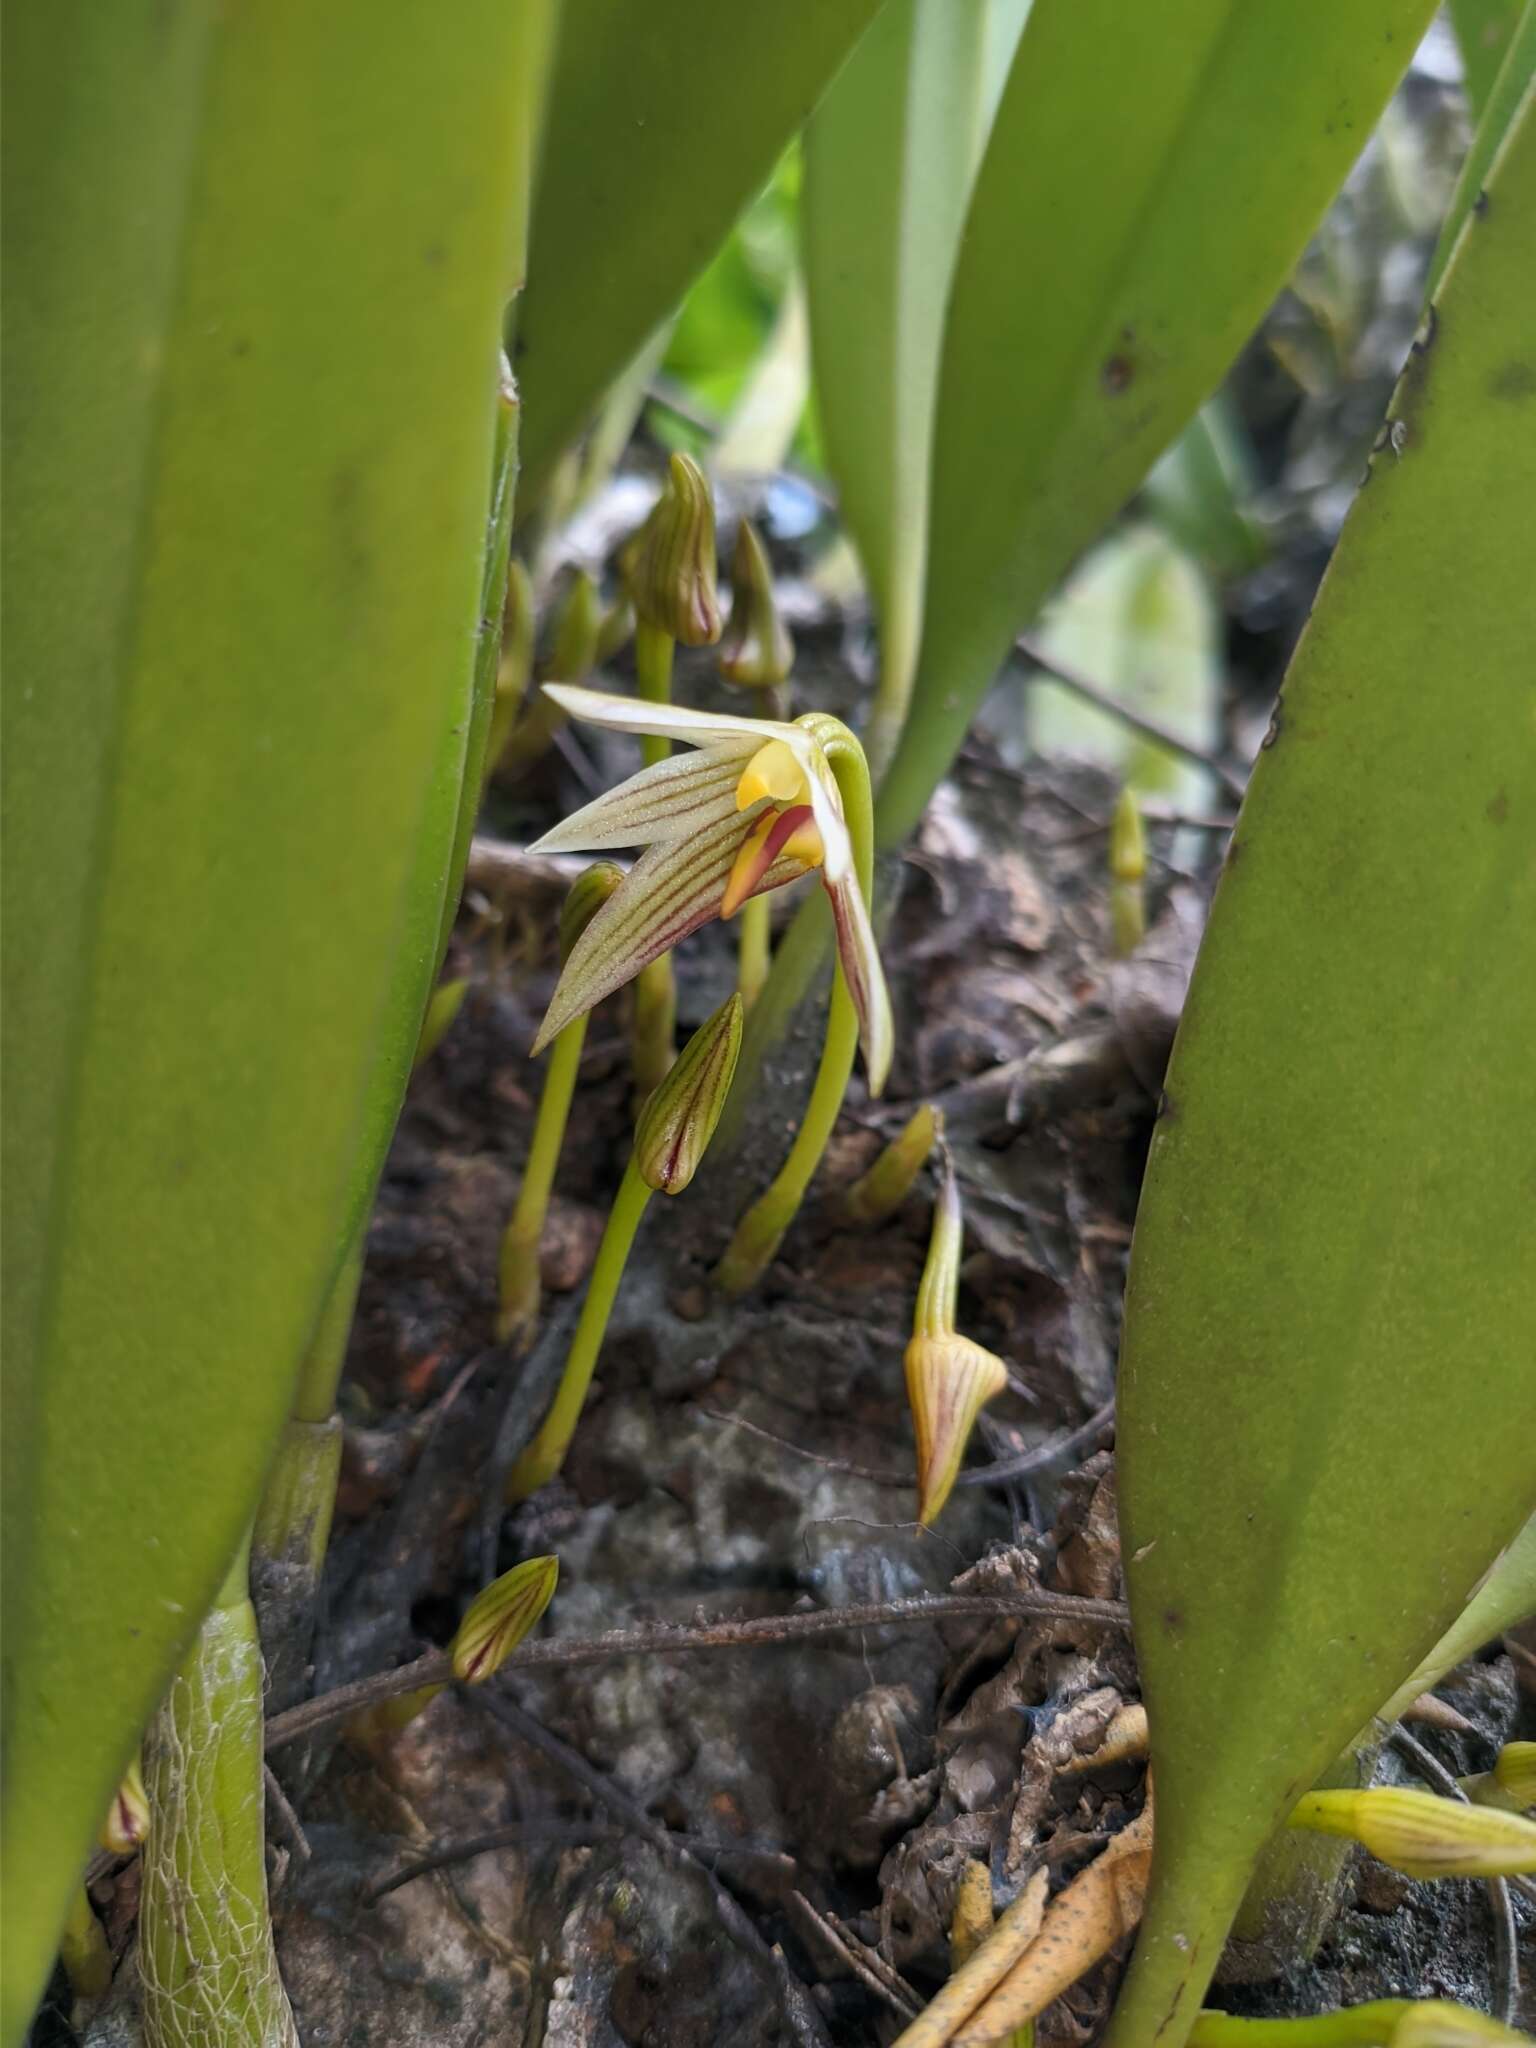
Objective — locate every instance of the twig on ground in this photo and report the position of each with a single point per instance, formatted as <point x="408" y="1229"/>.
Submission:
<point x="1061" y="1451"/>
<point x="600" y="1787"/>
<point x="1149" y="728"/>
<point x="844" y="1465"/>
<point x="898" y="1996"/>
<point x="289" y="1822"/>
<point x="569" y="1834"/>
<point x="664" y="1639"/>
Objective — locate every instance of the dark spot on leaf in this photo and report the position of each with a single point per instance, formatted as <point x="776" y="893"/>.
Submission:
<point x="1515" y="381"/>
<point x="1167" y="1108"/>
<point x="240" y="346"/>
<point x="1498" y="810"/>
<point x="1480" y="203"/>
<point x="1173" y="1620"/>
<point x="1424" y="340"/>
<point x="1116" y="375"/>
<point x="433" y="255"/>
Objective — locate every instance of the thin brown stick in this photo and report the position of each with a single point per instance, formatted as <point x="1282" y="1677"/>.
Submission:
<point x="1149" y="728"/>
<point x="903" y="2002"/>
<point x="1043" y="1456"/>
<point x="520" y="1834"/>
<point x="670" y="1639"/>
<point x="784" y="1443"/>
<point x="287" y="1819"/>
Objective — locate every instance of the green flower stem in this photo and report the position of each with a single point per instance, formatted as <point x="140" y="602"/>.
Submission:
<point x="206" y="1961"/>
<point x="518" y="1313"/>
<point x="655" y="1030"/>
<point x="83" y="1950"/>
<point x="754" y="948"/>
<point x="1293" y="1896"/>
<point x="545" y="1455"/>
<point x="1356" y="2026"/>
<point x="759" y="1232"/>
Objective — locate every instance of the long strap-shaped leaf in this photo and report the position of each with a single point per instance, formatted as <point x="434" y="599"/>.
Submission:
<point x="889" y="158"/>
<point x="1152" y="175"/>
<point x="1329" y="1370"/>
<point x="664" y="117"/>
<point x="256" y="260"/>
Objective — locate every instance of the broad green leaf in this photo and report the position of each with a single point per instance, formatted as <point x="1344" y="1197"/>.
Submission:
<point x="1329" y="1364"/>
<point x="1510" y="91"/>
<point x="756" y="438"/>
<point x="663" y="119"/>
<point x="1483" y="29"/>
<point x="889" y="158"/>
<point x="251" y="364"/>
<point x="1152" y="176"/>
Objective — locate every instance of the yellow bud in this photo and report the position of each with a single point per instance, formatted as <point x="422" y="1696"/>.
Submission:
<point x="757" y="650"/>
<point x="1422" y="1834"/>
<point x="1440" y="2023"/>
<point x="127" y="1819"/>
<point x="1515" y="1772"/>
<point x="497" y="1619"/>
<point x="673" y="575"/>
<point x="949" y="1380"/>
<point x="682" y="1111"/>
<point x="971" y="1921"/>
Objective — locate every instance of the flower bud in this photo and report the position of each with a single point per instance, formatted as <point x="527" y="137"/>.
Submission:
<point x="497" y="1619"/>
<point x="757" y="650"/>
<point x="881" y="1191"/>
<point x="588" y="893"/>
<point x="574" y="637"/>
<point x="673" y="578"/>
<point x="127" y="1819"/>
<point x="971" y="1921"/>
<point x="1422" y="1834"/>
<point x="443" y="1006"/>
<point x="1515" y="1772"/>
<point x="679" y="1119"/>
<point x="1127" y="876"/>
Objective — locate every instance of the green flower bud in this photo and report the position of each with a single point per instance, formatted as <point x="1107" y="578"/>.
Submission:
<point x="442" y="1007"/>
<point x="588" y="893"/>
<point x="881" y="1191"/>
<point x="574" y="639"/>
<point x="1515" y="1772"/>
<point x="757" y="650"/>
<point x="673" y="579"/>
<point x="498" y="1618"/>
<point x="1422" y="1834"/>
<point x="679" y="1119"/>
<point x="127" y="1819"/>
<point x="1440" y="2023"/>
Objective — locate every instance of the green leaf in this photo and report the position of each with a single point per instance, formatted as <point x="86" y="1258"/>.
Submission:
<point x="662" y="121"/>
<point x="1483" y="29"/>
<point x="1328" y="1369"/>
<point x="1510" y="91"/>
<point x="1505" y="1598"/>
<point x="889" y="158"/>
<point x="248" y="418"/>
<point x="1152" y="176"/>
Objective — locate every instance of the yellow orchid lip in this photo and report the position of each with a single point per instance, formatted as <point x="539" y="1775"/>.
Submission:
<point x="773" y="772"/>
<point x="782" y="835"/>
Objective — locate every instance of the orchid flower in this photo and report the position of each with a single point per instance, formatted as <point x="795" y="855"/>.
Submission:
<point x="755" y="805"/>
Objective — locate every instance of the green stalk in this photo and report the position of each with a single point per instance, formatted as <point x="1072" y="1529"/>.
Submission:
<point x="1356" y="2026"/>
<point x="754" y="948"/>
<point x="518" y="1312"/>
<point x="760" y="1230"/>
<point x="546" y="1454"/>
<point x="655" y="985"/>
<point x="206" y="1960"/>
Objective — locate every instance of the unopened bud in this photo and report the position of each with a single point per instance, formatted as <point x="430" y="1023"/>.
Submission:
<point x="617" y="628"/>
<point x="497" y="1619"/>
<point x="1383" y="2023"/>
<point x="949" y="1379"/>
<point x="127" y="1820"/>
<point x="757" y="650"/>
<point x="1422" y="1834"/>
<point x="586" y="897"/>
<point x="1515" y="1772"/>
<point x="442" y="1007"/>
<point x="673" y="578"/>
<point x="971" y="1921"/>
<point x="881" y="1191"/>
<point x="574" y="638"/>
<point x="679" y="1119"/>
